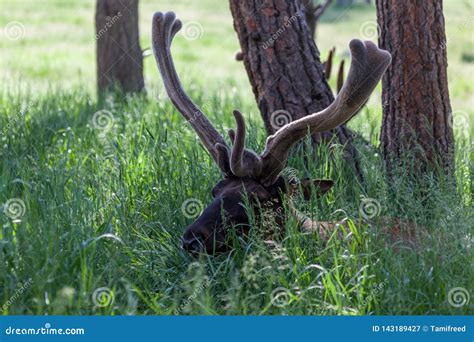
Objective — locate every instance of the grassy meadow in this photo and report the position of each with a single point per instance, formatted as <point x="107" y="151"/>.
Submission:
<point x="91" y="212"/>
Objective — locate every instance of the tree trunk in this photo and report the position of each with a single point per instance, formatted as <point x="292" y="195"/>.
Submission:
<point x="283" y="65"/>
<point x="313" y="12"/>
<point x="417" y="118"/>
<point x="119" y="56"/>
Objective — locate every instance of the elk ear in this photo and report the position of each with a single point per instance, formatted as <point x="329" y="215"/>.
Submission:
<point x="306" y="185"/>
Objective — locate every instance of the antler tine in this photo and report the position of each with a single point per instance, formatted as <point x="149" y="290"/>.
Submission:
<point x="243" y="162"/>
<point x="238" y="141"/>
<point x="368" y="64"/>
<point x="328" y="63"/>
<point x="165" y="26"/>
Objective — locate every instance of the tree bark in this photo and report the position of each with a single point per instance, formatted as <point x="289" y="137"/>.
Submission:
<point x="417" y="119"/>
<point x="119" y="56"/>
<point x="283" y="65"/>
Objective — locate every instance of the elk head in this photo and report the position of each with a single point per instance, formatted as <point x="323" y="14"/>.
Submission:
<point x="247" y="174"/>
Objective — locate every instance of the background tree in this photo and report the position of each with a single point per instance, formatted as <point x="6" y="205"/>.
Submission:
<point x="313" y="11"/>
<point x="417" y="112"/>
<point x="284" y="67"/>
<point x="119" y="56"/>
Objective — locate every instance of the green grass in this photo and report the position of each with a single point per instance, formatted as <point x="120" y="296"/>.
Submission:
<point x="81" y="184"/>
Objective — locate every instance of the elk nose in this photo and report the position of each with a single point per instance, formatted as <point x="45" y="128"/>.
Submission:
<point x="194" y="245"/>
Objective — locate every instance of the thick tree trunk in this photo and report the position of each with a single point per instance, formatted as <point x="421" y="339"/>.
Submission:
<point x="119" y="56"/>
<point x="417" y="118"/>
<point x="283" y="65"/>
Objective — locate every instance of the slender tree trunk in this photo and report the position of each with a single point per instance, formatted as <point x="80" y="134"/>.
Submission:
<point x="310" y="16"/>
<point x="313" y="12"/>
<point x="119" y="56"/>
<point x="283" y="65"/>
<point x="417" y="113"/>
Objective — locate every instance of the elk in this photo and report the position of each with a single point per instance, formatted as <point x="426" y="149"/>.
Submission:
<point x="247" y="174"/>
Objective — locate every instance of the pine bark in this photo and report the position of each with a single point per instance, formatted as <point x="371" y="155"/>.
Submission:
<point x="417" y="119"/>
<point x="119" y="56"/>
<point x="283" y="64"/>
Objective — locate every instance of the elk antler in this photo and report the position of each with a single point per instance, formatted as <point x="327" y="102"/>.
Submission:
<point x="368" y="64"/>
<point x="367" y="67"/>
<point x="165" y="26"/>
<point x="243" y="162"/>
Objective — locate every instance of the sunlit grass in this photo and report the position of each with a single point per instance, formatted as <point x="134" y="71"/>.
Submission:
<point x="80" y="184"/>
